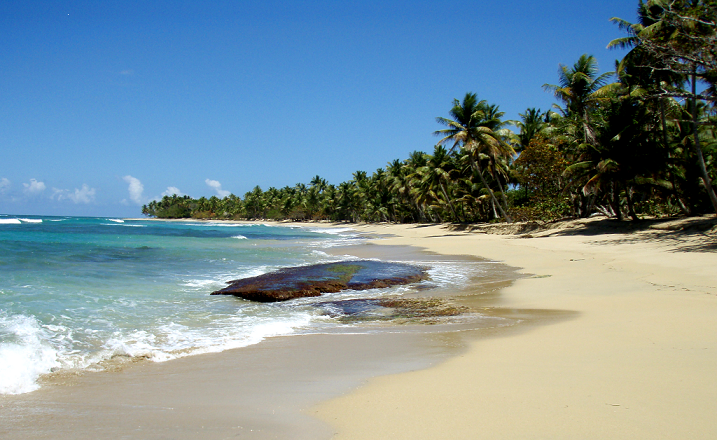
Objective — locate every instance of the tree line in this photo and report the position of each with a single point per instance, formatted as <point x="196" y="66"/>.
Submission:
<point x="637" y="141"/>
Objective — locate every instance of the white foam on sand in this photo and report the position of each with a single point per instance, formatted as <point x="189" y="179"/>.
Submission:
<point x="25" y="352"/>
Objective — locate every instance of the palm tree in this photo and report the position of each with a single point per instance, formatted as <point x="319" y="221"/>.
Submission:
<point x="472" y="129"/>
<point x="532" y="123"/>
<point x="437" y="173"/>
<point x="678" y="40"/>
<point x="499" y="153"/>
<point x="416" y="160"/>
<point x="349" y="200"/>
<point x="319" y="183"/>
<point x="624" y="156"/>
<point x="398" y="184"/>
<point x="254" y="203"/>
<point x="329" y="202"/>
<point x="582" y="90"/>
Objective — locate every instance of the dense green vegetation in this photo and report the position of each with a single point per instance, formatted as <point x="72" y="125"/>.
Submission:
<point x="638" y="141"/>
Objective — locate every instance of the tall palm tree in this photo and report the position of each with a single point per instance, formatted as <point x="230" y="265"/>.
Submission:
<point x="499" y="153"/>
<point x="471" y="128"/>
<point x="582" y="90"/>
<point x="678" y="39"/>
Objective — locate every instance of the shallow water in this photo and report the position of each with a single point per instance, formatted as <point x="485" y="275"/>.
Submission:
<point x="79" y="293"/>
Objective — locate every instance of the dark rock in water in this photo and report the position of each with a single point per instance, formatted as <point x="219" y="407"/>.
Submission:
<point x="299" y="282"/>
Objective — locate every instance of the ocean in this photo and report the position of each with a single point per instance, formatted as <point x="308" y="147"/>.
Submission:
<point x="89" y="293"/>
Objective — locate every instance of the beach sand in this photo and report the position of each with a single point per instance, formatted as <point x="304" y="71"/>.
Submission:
<point x="639" y="361"/>
<point x="256" y="392"/>
<point x="618" y="341"/>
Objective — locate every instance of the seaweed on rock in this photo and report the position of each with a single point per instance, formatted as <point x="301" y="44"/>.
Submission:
<point x="314" y="280"/>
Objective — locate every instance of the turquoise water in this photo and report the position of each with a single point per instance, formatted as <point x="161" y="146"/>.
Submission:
<point x="75" y="292"/>
<point x="86" y="293"/>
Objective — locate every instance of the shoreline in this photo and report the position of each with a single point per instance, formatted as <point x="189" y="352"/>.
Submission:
<point x="629" y="352"/>
<point x="260" y="391"/>
<point x="638" y="361"/>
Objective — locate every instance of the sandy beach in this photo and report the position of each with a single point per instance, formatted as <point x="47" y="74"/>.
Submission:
<point x="637" y="362"/>
<point x="625" y="347"/>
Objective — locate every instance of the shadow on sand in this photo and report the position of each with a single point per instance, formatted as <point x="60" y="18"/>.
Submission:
<point x="691" y="234"/>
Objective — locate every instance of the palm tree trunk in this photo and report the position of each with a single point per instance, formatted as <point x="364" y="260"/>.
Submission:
<point x="587" y="203"/>
<point x="421" y="216"/>
<point x="450" y="205"/>
<point x="665" y="142"/>
<point x="630" y="203"/>
<point x="616" y="200"/>
<point x="430" y="213"/>
<point x="500" y="186"/>
<point x="476" y="167"/>
<point x="698" y="149"/>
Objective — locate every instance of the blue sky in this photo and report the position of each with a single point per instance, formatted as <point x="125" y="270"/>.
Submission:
<point x="107" y="105"/>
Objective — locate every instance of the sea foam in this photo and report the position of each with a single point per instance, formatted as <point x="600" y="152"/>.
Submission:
<point x="173" y="340"/>
<point x="25" y="352"/>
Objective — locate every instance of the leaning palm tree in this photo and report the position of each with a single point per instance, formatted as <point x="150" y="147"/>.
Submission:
<point x="472" y="128"/>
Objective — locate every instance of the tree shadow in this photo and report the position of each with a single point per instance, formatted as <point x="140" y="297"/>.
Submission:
<point x="694" y="234"/>
<point x="679" y="241"/>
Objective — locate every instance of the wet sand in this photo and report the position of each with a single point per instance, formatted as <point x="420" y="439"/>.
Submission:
<point x="255" y="392"/>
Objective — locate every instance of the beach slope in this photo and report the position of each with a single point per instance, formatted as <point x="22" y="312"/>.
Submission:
<point x="638" y="361"/>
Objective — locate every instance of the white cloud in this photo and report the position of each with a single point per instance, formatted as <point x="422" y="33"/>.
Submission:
<point x="217" y="187"/>
<point x="4" y="184"/>
<point x="58" y="194"/>
<point x="172" y="190"/>
<point x="34" y="187"/>
<point x="84" y="195"/>
<point x="136" y="189"/>
<point x="128" y="72"/>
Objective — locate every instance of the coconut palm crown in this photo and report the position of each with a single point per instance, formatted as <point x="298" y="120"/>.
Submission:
<point x="476" y="127"/>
